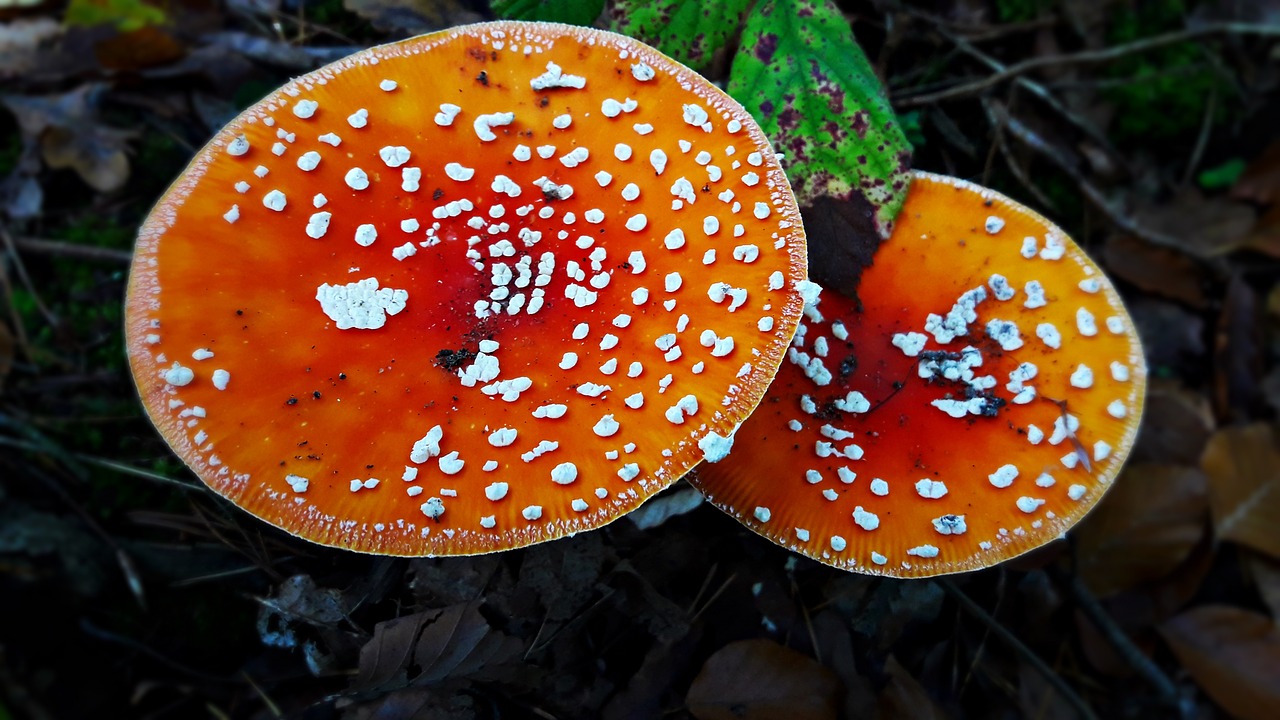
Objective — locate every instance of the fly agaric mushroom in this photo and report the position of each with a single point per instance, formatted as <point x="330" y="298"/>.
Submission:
<point x="467" y="292"/>
<point x="973" y="407"/>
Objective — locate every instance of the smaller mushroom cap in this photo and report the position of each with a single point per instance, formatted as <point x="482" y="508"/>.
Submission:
<point x="974" y="407"/>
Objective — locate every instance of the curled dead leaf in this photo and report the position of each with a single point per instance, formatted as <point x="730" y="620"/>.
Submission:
<point x="760" y="679"/>
<point x="1233" y="655"/>
<point x="1143" y="529"/>
<point x="1243" y="467"/>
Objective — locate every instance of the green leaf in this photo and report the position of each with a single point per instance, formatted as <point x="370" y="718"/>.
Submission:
<point x="125" y="15"/>
<point x="570" y="12"/>
<point x="1223" y="176"/>
<point x="802" y="75"/>
<point x="690" y="31"/>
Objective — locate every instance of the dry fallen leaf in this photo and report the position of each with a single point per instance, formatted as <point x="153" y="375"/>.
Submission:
<point x="1185" y="425"/>
<point x="69" y="133"/>
<point x="904" y="698"/>
<point x="1158" y="270"/>
<point x="759" y="680"/>
<point x="1266" y="577"/>
<point x="1260" y="182"/>
<point x="1243" y="467"/>
<point x="1143" y="529"/>
<point x="1204" y="227"/>
<point x="1233" y="655"/>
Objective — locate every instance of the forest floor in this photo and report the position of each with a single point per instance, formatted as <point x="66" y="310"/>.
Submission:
<point x="1148" y="130"/>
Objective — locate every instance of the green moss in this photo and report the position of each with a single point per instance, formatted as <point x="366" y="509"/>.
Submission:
<point x="1011" y="11"/>
<point x="1160" y="93"/>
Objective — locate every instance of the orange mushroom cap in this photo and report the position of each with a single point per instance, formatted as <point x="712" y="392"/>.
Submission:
<point x="972" y="408"/>
<point x="467" y="292"/>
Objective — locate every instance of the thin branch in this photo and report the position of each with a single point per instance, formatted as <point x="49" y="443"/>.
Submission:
<point x="1065" y="690"/>
<point x="1086" y="57"/>
<point x="57" y="248"/>
<point x="1118" y="217"/>
<point x="1120" y="642"/>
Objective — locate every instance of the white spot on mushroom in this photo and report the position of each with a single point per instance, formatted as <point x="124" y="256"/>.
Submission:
<point x="360" y="305"/>
<point x="866" y="520"/>
<point x="1082" y="377"/>
<point x="356" y="179"/>
<point x="1004" y="476"/>
<point x="926" y="488"/>
<point x="432" y="508"/>
<point x="532" y="512"/>
<point x="275" y="200"/>
<point x="304" y="109"/>
<point x="318" y="225"/>
<point x="484" y="124"/>
<point x="221" y="378"/>
<point x="178" y="376"/>
<point x="564" y="473"/>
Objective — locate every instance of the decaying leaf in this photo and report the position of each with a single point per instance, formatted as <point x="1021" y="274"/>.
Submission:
<point x="1184" y="427"/>
<point x="424" y="648"/>
<point x="298" y="601"/>
<point x="69" y="134"/>
<point x="1266" y="577"/>
<point x="1158" y="270"/>
<point x="805" y="79"/>
<point x="695" y="33"/>
<point x="1143" y="529"/>
<point x="760" y="679"/>
<point x="1243" y="466"/>
<point x="1233" y="655"/>
<point x="1260" y="182"/>
<point x="904" y="697"/>
<point x="1203" y="226"/>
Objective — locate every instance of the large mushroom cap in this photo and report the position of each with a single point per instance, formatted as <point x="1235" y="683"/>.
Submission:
<point x="467" y="292"/>
<point x="973" y="408"/>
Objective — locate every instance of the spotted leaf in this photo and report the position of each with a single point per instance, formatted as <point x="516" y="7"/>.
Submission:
<point x="571" y="12"/>
<point x="688" y="30"/>
<point x="802" y="75"/>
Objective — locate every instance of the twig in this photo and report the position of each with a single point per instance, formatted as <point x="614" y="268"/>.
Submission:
<point x="58" y="248"/>
<point x="1202" y="140"/>
<point x="107" y="636"/>
<point x="973" y="608"/>
<point x="1084" y="58"/>
<point x="1009" y="160"/>
<point x="99" y="462"/>
<point x="1118" y="217"/>
<point x="1039" y="91"/>
<point x="1120" y="642"/>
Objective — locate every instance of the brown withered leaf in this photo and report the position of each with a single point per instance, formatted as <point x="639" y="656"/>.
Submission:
<point x="1185" y="425"/>
<point x="1266" y="577"/>
<point x="1233" y="655"/>
<point x="1243" y="467"/>
<point x="1158" y="270"/>
<point x="1265" y="236"/>
<point x="1237" y="354"/>
<point x="904" y="697"/>
<point x="69" y="134"/>
<point x="1204" y="227"/>
<point x="1143" y="529"/>
<point x="1260" y="182"/>
<point x="455" y="642"/>
<point x="146" y="47"/>
<point x="760" y="679"/>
